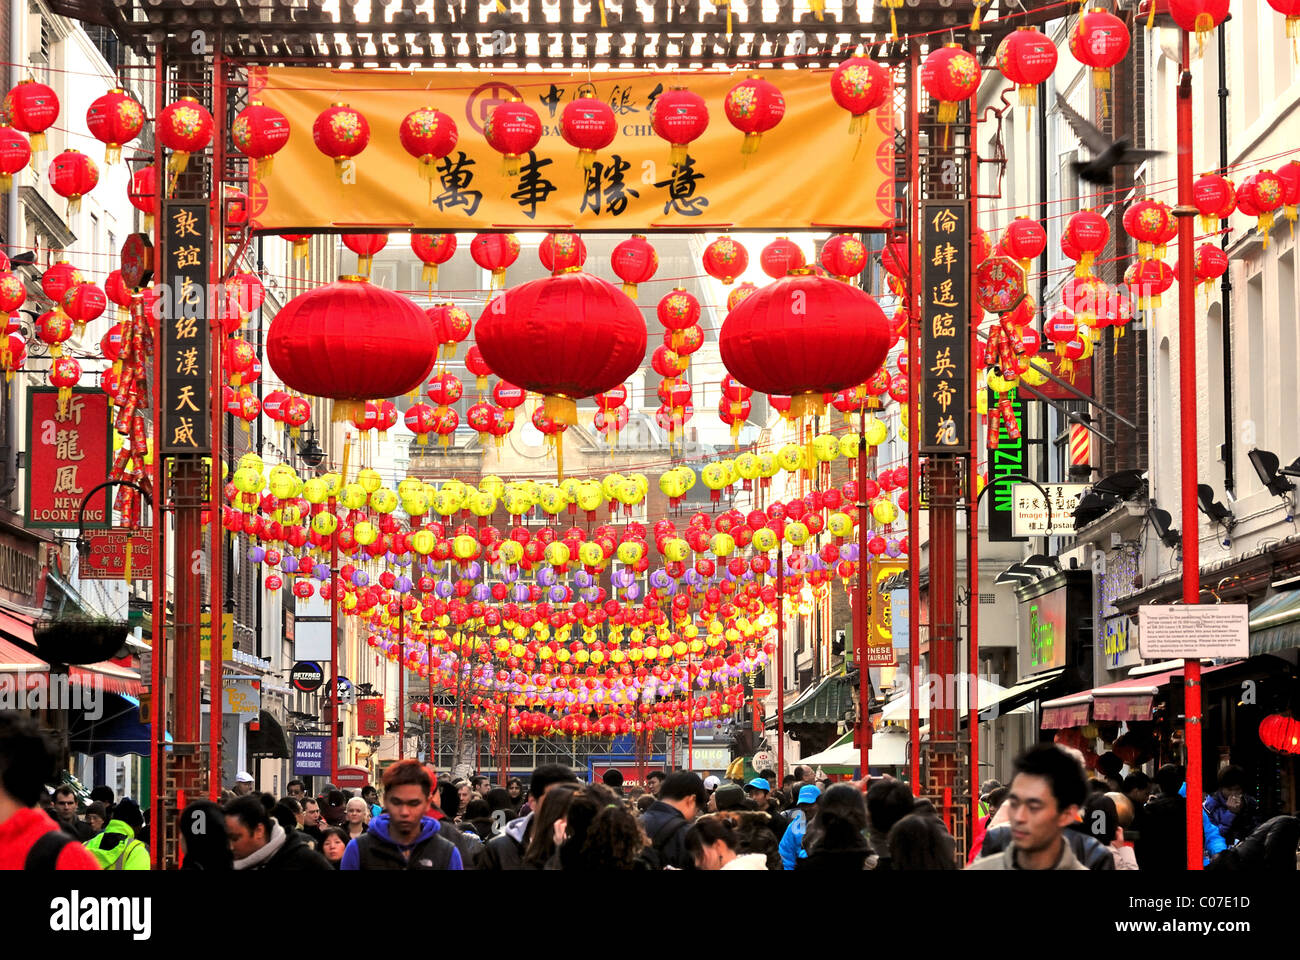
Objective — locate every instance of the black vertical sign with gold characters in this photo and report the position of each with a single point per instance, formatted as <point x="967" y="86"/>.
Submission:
<point x="945" y="327"/>
<point x="185" y="337"/>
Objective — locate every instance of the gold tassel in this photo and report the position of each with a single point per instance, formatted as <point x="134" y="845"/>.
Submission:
<point x="112" y="153"/>
<point x="979" y="13"/>
<point x="630" y="290"/>
<point x="126" y="566"/>
<point x="1151" y="14"/>
<point x="6" y="181"/>
<point x="750" y="144"/>
<point x="510" y="164"/>
<point x="74" y="206"/>
<point x="429" y="275"/>
<point x="498" y="283"/>
<point x="559" y="455"/>
<point x="38" y="146"/>
<point x="561" y="410"/>
<point x="601" y="4"/>
<point x="677" y="156"/>
<point x="817" y="7"/>
<point x="264" y="167"/>
<point x="344" y="410"/>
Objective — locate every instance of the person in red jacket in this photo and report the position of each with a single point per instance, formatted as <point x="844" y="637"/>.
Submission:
<point x="29" y="837"/>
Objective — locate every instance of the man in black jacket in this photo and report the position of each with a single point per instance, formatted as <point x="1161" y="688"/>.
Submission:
<point x="259" y="843"/>
<point x="506" y="852"/>
<point x="682" y="798"/>
<point x="1161" y="825"/>
<point x="404" y="836"/>
<point x="65" y="814"/>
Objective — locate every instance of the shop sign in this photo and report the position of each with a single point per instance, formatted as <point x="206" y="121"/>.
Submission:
<point x="311" y="756"/>
<point x="186" y="399"/>
<point x="1194" y="631"/>
<point x="945" y="327"/>
<point x="68" y="449"/>
<point x="1029" y="508"/>
<point x="1043" y="636"/>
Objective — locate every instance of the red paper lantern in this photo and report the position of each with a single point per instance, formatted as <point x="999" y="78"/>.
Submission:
<point x="274" y="405"/>
<point x="32" y="108"/>
<point x="428" y="135"/>
<point x="860" y="85"/>
<point x="1147" y="222"/>
<point x="433" y="249"/>
<point x="1148" y="279"/>
<point x="54" y="327"/>
<point x="84" y="303"/>
<point x="183" y="127"/>
<point x="950" y="75"/>
<point x="562" y="251"/>
<point x="351" y="341"/>
<point x="495" y="252"/>
<point x="65" y="374"/>
<point x="444" y="389"/>
<point x="512" y="129"/>
<point x="387" y="418"/>
<point x="1291" y="10"/>
<point x="365" y="246"/>
<point x="725" y="259"/>
<point x="143" y="194"/>
<point x="59" y="279"/>
<point x="297" y="411"/>
<point x="680" y="117"/>
<point x="1086" y="297"/>
<point x="12" y="296"/>
<point x="1027" y="57"/>
<point x="301" y="244"/>
<point x="780" y="257"/>
<point x="340" y="133"/>
<point x="1211" y="264"/>
<point x="1212" y="195"/>
<point x="1024" y="239"/>
<point x="567" y="337"/>
<point x="1200" y="17"/>
<point x="1088" y="233"/>
<point x="15" y="153"/>
<point x="589" y="124"/>
<point x="754" y="106"/>
<point x="1280" y="733"/>
<point x="1289" y="175"/>
<point x="13" y="351"/>
<point x="1263" y="191"/>
<point x="244" y="294"/>
<point x="738" y="295"/>
<point x="476" y="365"/>
<point x="509" y="398"/>
<point x="843" y="256"/>
<point x="259" y="133"/>
<point x="72" y="175"/>
<point x="634" y="261"/>
<point x="114" y="119"/>
<point x="837" y="338"/>
<point x="451" y="325"/>
<point x="1099" y="40"/>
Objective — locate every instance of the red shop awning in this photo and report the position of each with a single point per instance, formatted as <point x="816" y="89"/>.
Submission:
<point x="14" y="659"/>
<point x="1068" y="711"/>
<point x="1135" y="698"/>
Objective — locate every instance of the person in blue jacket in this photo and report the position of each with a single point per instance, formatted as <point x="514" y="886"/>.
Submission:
<point x="792" y="842"/>
<point x="1213" y="841"/>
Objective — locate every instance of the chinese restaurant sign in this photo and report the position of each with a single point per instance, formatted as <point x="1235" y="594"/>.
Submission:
<point x="370" y="717"/>
<point x="116" y="553"/>
<point x="185" y="395"/>
<point x="808" y="173"/>
<point x="880" y="636"/>
<point x="945" y="327"/>
<point x="68" y="456"/>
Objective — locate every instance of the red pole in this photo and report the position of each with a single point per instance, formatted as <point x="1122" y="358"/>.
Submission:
<point x="913" y="420"/>
<point x="780" y="665"/>
<point x="1187" y="443"/>
<point x="333" y="712"/>
<point x="860" y="621"/>
<point x="690" y="715"/>
<point x="158" y="712"/>
<point x="972" y="525"/>
<point x="216" y="598"/>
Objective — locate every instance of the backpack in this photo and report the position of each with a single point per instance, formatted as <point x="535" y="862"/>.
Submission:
<point x="654" y="855"/>
<point x="43" y="857"/>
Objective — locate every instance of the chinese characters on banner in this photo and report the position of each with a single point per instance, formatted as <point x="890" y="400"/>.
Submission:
<point x="1029" y="516"/>
<point x="185" y="396"/>
<point x="370" y="717"/>
<point x="121" y="554"/>
<point x="880" y="633"/>
<point x="68" y="455"/>
<point x="945" y="327"/>
<point x="1008" y="460"/>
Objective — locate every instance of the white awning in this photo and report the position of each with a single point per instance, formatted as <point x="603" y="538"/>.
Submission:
<point x="897" y="711"/>
<point x="888" y="749"/>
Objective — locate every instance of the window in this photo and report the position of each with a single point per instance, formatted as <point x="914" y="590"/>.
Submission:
<point x="1256" y="361"/>
<point x="1214" y="356"/>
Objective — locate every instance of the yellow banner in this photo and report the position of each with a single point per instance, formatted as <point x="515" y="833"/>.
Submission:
<point x="227" y="636"/>
<point x="880" y="637"/>
<point x="808" y="173"/>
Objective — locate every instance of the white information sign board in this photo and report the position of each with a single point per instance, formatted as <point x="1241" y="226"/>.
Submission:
<point x="1029" y="508"/>
<point x="1193" y="631"/>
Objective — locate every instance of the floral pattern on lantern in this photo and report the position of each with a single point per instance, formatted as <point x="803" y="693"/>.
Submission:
<point x="340" y="133"/>
<point x="634" y="262"/>
<point x="754" y="106"/>
<point x="950" y="75"/>
<point x="725" y="259"/>
<point x="114" y="119"/>
<point x="259" y="132"/>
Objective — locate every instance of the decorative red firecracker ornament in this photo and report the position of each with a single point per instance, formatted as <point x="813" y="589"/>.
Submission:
<point x="1026" y="56"/>
<point x="1147" y="222"/>
<point x="780" y="257"/>
<point x="84" y="303"/>
<point x="1148" y="279"/>
<point x="589" y="124"/>
<point x="365" y="246"/>
<point x="738" y="295"/>
<point x="1263" y="191"/>
<point x="114" y="119"/>
<point x="1211" y="264"/>
<point x="15" y="153"/>
<point x="562" y="251"/>
<point x="1088" y="233"/>
<point x="32" y="109"/>
<point x="634" y="261"/>
<point x="1200" y="17"/>
<point x="65" y="374"/>
<point x="259" y="133"/>
<point x="12" y="296"/>
<point x="1000" y="284"/>
<point x="73" y="175"/>
<point x="1278" y="732"/>
<point x="183" y="127"/>
<point x="143" y="194"/>
<point x="1099" y="40"/>
<point x="725" y="259"/>
<point x="451" y="325"/>
<point x="512" y="129"/>
<point x="754" y="106"/>
<point x="476" y="365"/>
<point x="844" y="256"/>
<point x="950" y="75"/>
<point x="680" y="117"/>
<point x="1024" y="239"/>
<point x="428" y="135"/>
<point x="860" y="85"/>
<point x="495" y="252"/>
<point x="509" y="398"/>
<point x="444" y="389"/>
<point x="340" y="133"/>
<point x="1212" y="195"/>
<point x="567" y="337"/>
<point x="351" y="341"/>
<point x="804" y="336"/>
<point x="433" y="249"/>
<point x="1289" y="175"/>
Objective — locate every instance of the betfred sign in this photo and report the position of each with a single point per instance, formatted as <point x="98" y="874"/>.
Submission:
<point x="307" y="676"/>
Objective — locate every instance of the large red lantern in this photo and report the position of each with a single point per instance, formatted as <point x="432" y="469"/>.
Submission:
<point x="1147" y="222"/>
<point x="562" y="251"/>
<point x="428" y="135"/>
<point x="567" y="337"/>
<point x="1264" y="192"/>
<point x="73" y="175"/>
<point x="351" y="341"/>
<point x="860" y="85"/>
<point x="114" y="119"/>
<point x="725" y="259"/>
<point x="32" y="108"/>
<point x="1087" y="232"/>
<point x="1024" y="239"/>
<point x="1200" y="17"/>
<point x="512" y="129"/>
<point x="680" y="117"/>
<point x="589" y="124"/>
<point x="433" y="249"/>
<point x="259" y="132"/>
<point x="754" y="106"/>
<point x="634" y="261"/>
<point x="1099" y="40"/>
<point x="1026" y="56"/>
<point x="340" y="133"/>
<point x="804" y="336"/>
<point x="365" y="246"/>
<point x="15" y="153"/>
<point x="1214" y="198"/>
<point x="1280" y="733"/>
<point x="451" y="325"/>
<point x="780" y="257"/>
<point x="951" y="75"/>
<point x="183" y="127"/>
<point x="84" y="303"/>
<point x="844" y="256"/>
<point x="1148" y="279"/>
<point x="495" y="252"/>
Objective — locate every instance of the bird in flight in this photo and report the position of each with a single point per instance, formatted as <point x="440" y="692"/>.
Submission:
<point x="1105" y="154"/>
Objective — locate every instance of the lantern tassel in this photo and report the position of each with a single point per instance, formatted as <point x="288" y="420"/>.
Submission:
<point x="979" y="14"/>
<point x="601" y="4"/>
<point x="429" y="275"/>
<point x="74" y="206"/>
<point x="1151" y="15"/>
<point x="561" y="410"/>
<point x="344" y="411"/>
<point x="264" y="167"/>
<point x="112" y="153"/>
<point x="498" y="283"/>
<point x="300" y="248"/>
<point x="677" y="156"/>
<point x="126" y="566"/>
<point x="630" y="289"/>
<point x="6" y="181"/>
<point x="510" y="164"/>
<point x="750" y="144"/>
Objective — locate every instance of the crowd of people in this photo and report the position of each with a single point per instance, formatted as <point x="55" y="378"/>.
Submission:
<point x="1051" y="816"/>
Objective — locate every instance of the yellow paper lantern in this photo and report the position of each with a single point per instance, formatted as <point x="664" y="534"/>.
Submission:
<point x="509" y="552"/>
<point x="557" y="553"/>
<point x="354" y="496"/>
<point x="884" y="511"/>
<point x="324" y="523"/>
<point x="790" y="457"/>
<point x="492" y="485"/>
<point x="676" y="549"/>
<point x="590" y="554"/>
<point x="840" y="525"/>
<point x="764" y="540"/>
<point x="876" y="432"/>
<point x="796" y="534"/>
<point x="370" y="479"/>
<point x="423" y="542"/>
<point x="825" y="448"/>
<point x="464" y="547"/>
<point x="251" y="461"/>
<point x="365" y="533"/>
<point x="590" y="496"/>
<point x="247" y="480"/>
<point x="482" y="504"/>
<point x="629" y="552"/>
<point x="383" y="500"/>
<point x="722" y="544"/>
